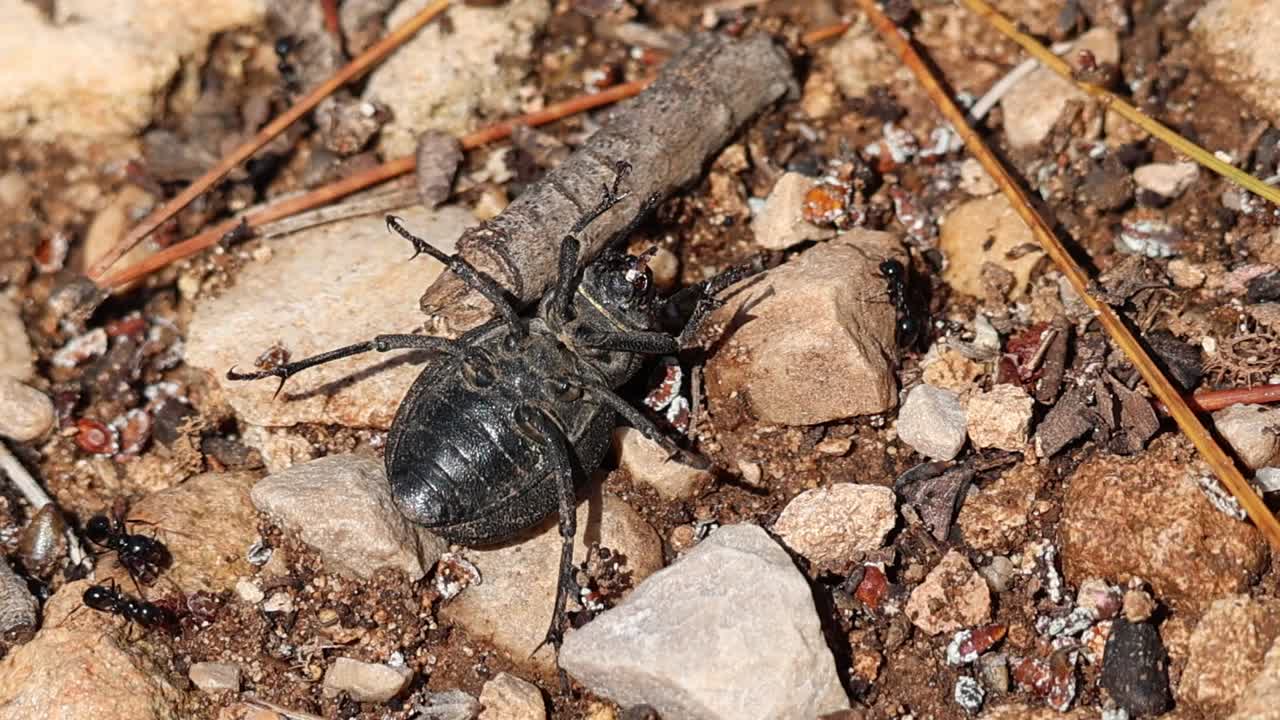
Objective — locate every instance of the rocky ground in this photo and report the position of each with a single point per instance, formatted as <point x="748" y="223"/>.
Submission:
<point x="982" y="516"/>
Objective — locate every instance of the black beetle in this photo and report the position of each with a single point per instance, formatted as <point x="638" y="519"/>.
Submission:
<point x="489" y="439"/>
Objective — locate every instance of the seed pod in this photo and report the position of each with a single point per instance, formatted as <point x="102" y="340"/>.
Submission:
<point x="43" y="541"/>
<point x="17" y="608"/>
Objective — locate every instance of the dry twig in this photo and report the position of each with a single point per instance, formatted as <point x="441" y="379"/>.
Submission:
<point x="1183" y="415"/>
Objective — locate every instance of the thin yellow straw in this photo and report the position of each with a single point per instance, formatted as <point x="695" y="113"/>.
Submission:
<point x="1129" y="112"/>
<point x="1164" y="391"/>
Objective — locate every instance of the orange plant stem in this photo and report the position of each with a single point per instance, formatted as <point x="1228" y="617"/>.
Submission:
<point x="359" y="181"/>
<point x="352" y="70"/>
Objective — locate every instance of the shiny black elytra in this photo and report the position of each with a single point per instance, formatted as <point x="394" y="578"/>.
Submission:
<point x="489" y="439"/>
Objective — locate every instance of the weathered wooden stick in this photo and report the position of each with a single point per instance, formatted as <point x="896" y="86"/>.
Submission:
<point x="667" y="135"/>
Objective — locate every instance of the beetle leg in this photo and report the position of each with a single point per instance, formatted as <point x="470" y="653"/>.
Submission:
<point x="555" y="449"/>
<point x="639" y="341"/>
<point x="381" y="343"/>
<point x="475" y="278"/>
<point x="637" y="420"/>
<point x="705" y="292"/>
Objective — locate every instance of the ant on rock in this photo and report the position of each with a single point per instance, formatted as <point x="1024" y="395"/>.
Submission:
<point x="143" y="556"/>
<point x="108" y="599"/>
<point x="908" y="325"/>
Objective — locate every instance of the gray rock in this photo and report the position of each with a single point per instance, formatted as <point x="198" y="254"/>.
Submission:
<point x="317" y="293"/>
<point x="646" y="461"/>
<point x="507" y="697"/>
<point x="341" y="505"/>
<point x="215" y="676"/>
<point x="810" y="341"/>
<point x="26" y="414"/>
<point x="365" y="682"/>
<point x="16" y="358"/>
<point x="448" y="705"/>
<point x="102" y="69"/>
<point x="932" y="421"/>
<point x="780" y="223"/>
<point x="511" y="606"/>
<point x="832" y="526"/>
<point x="447" y="78"/>
<point x="1249" y="430"/>
<point x="729" y="631"/>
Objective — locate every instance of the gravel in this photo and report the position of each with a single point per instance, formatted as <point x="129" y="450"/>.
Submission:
<point x="932" y="421"/>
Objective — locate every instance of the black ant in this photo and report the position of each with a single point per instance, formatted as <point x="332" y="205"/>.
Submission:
<point x="108" y="599"/>
<point x="143" y="556"/>
<point x="907" y="326"/>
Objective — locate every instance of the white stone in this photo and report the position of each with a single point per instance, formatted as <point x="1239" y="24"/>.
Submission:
<point x="507" y="697"/>
<point x="729" y="631"/>
<point x="1250" y="431"/>
<point x="932" y="422"/>
<point x="646" y="461"/>
<point x="366" y="682"/>
<point x="215" y="676"/>
<point x="26" y="414"/>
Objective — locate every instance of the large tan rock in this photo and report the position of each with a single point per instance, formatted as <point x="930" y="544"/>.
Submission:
<point x="987" y="230"/>
<point x="1145" y="516"/>
<point x="810" y="341"/>
<point x="324" y="288"/>
<point x="208" y="524"/>
<point x="101" y="70"/>
<point x="1226" y="650"/>
<point x="1239" y="38"/>
<point x="79" y="666"/>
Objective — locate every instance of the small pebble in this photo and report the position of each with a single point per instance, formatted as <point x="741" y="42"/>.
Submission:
<point x="1135" y="669"/>
<point x="932" y="421"/>
<point x="215" y="676"/>
<point x="1000" y="418"/>
<point x="781" y="222"/>
<point x="1248" y="430"/>
<point x="975" y="180"/>
<point x="832" y="526"/>
<point x="646" y="462"/>
<point x="366" y="682"/>
<point x="448" y="705"/>
<point x="249" y="592"/>
<point x="507" y="697"/>
<point x="969" y="694"/>
<point x="994" y="669"/>
<point x="26" y="414"/>
<point x="998" y="573"/>
<point x="1267" y="479"/>
<point x="279" y="602"/>
<point x="1138" y="605"/>
<point x="1166" y="179"/>
<point x="952" y="596"/>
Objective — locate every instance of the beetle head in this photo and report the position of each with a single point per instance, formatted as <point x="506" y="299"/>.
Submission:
<point x="619" y="289"/>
